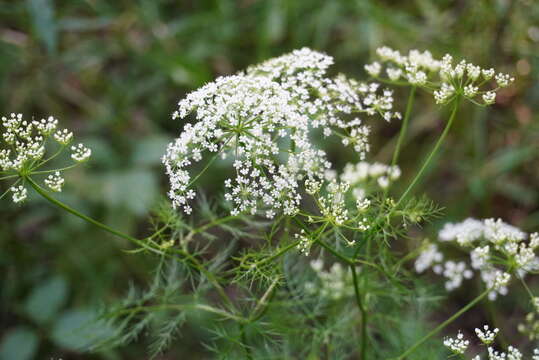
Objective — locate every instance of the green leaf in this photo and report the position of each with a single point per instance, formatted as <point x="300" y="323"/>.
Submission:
<point x="46" y="299"/>
<point x="79" y="330"/>
<point x="19" y="344"/>
<point x="42" y="12"/>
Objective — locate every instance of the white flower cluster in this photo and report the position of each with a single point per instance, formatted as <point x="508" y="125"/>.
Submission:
<point x="364" y="175"/>
<point x="19" y="193"/>
<point x="80" y="153"/>
<point x="531" y="325"/>
<point x="262" y="118"/>
<point x="445" y="79"/>
<point x="486" y="335"/>
<point x="459" y="346"/>
<point x="334" y="284"/>
<point x="490" y="243"/>
<point x="304" y="244"/>
<point x="55" y="182"/>
<point x="24" y="147"/>
<point x="332" y="204"/>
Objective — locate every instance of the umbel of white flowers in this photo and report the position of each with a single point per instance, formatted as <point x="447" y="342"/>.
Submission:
<point x="23" y="150"/>
<point x="441" y="77"/>
<point x="263" y="118"/>
<point x="459" y="345"/>
<point x="495" y="250"/>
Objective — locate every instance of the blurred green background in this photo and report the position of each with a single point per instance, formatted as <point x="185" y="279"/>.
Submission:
<point x="113" y="71"/>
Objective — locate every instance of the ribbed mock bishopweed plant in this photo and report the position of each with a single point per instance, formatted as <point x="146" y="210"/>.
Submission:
<point x="264" y="119"/>
<point x="459" y="345"/>
<point x="27" y="146"/>
<point x="444" y="79"/>
<point x="495" y="250"/>
<point x="303" y="237"/>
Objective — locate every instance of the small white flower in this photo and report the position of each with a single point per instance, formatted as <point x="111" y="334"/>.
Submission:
<point x="501" y="280"/>
<point x="394" y="74"/>
<point x="304" y="244"/>
<point x="445" y="93"/>
<point x="503" y="80"/>
<point x="373" y="69"/>
<point x="473" y="71"/>
<point x="489" y="97"/>
<point x="487" y="73"/>
<point x="428" y="257"/>
<point x="64" y="136"/>
<point x="470" y="91"/>
<point x="457" y="345"/>
<point x="486" y="335"/>
<point x="80" y="153"/>
<point x="19" y="193"/>
<point x="55" y="182"/>
<point x="362" y="204"/>
<point x="46" y="127"/>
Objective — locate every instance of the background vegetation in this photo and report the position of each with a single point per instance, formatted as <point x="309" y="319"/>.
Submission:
<point x="114" y="70"/>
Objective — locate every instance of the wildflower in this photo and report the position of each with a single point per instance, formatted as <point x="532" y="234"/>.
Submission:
<point x="256" y="116"/>
<point x="23" y="149"/>
<point x="80" y="153"/>
<point x="394" y="74"/>
<point x="334" y="284"/>
<point x="55" y="182"/>
<point x="480" y="257"/>
<point x="332" y="205"/>
<point x="444" y="94"/>
<point x="63" y="137"/>
<point x="373" y="69"/>
<point x="470" y="91"/>
<point x="19" y="193"/>
<point x="489" y="97"/>
<point x="464" y="233"/>
<point x="428" y="256"/>
<point x="304" y="244"/>
<point x="364" y="175"/>
<point x="457" y="345"/>
<point x="503" y="80"/>
<point x="444" y="78"/>
<point x="495" y="248"/>
<point x="486" y="335"/>
<point x="455" y="273"/>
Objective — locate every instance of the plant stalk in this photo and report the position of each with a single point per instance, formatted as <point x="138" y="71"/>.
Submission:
<point x="404" y="127"/>
<point x="444" y="324"/>
<point x="363" y="343"/>
<point x="433" y="152"/>
<point x="136" y="241"/>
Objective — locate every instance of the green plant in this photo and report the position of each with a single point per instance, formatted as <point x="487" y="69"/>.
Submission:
<point x="241" y="258"/>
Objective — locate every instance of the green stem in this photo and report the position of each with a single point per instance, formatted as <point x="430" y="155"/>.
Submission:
<point x="363" y="343"/>
<point x="404" y="127"/>
<point x="8" y="177"/>
<point x="334" y="252"/>
<point x="433" y="152"/>
<point x="177" y="307"/>
<point x="246" y="347"/>
<point x="526" y="287"/>
<point x="262" y="305"/>
<point x="195" y="263"/>
<point x="212" y="224"/>
<point x="69" y="209"/>
<point x="54" y="170"/>
<point x="444" y="324"/>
